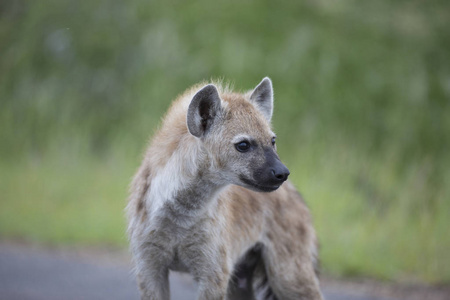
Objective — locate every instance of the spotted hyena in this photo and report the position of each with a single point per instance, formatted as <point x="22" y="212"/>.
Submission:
<point x="211" y="198"/>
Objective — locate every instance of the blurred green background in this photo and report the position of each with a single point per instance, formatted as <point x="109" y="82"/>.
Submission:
<point x="362" y="115"/>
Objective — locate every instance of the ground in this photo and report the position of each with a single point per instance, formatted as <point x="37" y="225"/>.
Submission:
<point x="42" y="272"/>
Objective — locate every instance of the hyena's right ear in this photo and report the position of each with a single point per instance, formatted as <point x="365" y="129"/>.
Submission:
<point x="262" y="97"/>
<point x="202" y="111"/>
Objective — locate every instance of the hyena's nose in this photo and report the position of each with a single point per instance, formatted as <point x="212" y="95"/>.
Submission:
<point x="280" y="173"/>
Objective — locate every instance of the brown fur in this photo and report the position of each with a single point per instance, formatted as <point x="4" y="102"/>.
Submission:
<point x="189" y="211"/>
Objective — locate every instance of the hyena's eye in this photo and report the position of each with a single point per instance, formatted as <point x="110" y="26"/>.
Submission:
<point x="273" y="141"/>
<point x="243" y="146"/>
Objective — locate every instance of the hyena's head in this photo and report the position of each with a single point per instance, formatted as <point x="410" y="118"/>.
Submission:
<point x="235" y="130"/>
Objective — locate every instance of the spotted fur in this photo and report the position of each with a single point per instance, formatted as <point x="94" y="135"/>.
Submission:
<point x="199" y="205"/>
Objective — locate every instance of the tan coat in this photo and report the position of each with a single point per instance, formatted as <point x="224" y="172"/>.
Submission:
<point x="199" y="203"/>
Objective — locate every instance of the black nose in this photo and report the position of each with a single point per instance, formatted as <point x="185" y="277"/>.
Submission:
<point x="280" y="173"/>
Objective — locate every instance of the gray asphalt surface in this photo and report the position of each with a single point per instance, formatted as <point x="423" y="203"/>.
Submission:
<point x="37" y="274"/>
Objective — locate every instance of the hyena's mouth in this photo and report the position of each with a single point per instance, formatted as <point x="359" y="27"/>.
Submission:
<point x="257" y="186"/>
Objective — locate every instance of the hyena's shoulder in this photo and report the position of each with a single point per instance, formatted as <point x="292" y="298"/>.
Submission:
<point x="161" y="148"/>
<point x="135" y="210"/>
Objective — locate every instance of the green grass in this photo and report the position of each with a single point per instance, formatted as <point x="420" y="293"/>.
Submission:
<point x="371" y="221"/>
<point x="362" y="103"/>
<point x="64" y="200"/>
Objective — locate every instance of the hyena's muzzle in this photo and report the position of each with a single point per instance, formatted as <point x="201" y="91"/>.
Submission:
<point x="268" y="173"/>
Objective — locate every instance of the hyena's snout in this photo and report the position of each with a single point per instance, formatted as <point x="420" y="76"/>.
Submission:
<point x="275" y="171"/>
<point x="279" y="173"/>
<point x="269" y="176"/>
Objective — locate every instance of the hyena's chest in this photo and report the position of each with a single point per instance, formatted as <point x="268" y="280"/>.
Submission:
<point x="176" y="246"/>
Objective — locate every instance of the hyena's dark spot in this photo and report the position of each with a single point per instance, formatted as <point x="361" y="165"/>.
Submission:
<point x="141" y="283"/>
<point x="146" y="185"/>
<point x="301" y="229"/>
<point x="144" y="216"/>
<point x="289" y="249"/>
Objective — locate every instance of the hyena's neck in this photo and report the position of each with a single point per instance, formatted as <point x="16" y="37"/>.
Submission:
<point x="185" y="187"/>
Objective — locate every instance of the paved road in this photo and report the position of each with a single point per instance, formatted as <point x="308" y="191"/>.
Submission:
<point x="27" y="274"/>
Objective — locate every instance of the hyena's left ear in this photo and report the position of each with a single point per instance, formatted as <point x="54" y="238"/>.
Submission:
<point x="262" y="98"/>
<point x="202" y="111"/>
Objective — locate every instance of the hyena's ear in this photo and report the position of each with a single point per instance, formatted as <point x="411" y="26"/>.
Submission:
<point x="262" y="98"/>
<point x="203" y="110"/>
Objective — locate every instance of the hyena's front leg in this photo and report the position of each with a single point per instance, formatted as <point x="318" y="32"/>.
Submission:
<point x="152" y="272"/>
<point x="210" y="266"/>
<point x="291" y="274"/>
<point x="214" y="286"/>
<point x="154" y="287"/>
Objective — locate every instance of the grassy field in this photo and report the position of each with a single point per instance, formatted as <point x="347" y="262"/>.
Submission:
<point x="362" y="115"/>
